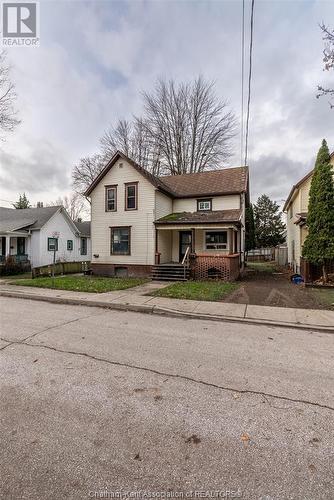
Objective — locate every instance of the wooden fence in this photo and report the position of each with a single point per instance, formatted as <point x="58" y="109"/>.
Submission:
<point x="61" y="268"/>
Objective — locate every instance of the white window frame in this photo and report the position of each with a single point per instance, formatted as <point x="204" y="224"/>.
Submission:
<point x="216" y="246"/>
<point x="204" y="205"/>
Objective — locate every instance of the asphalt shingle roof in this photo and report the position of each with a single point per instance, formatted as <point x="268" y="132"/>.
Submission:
<point x="83" y="227"/>
<point x="12" y="219"/>
<point x="213" y="182"/>
<point x="201" y="217"/>
<point x="209" y="183"/>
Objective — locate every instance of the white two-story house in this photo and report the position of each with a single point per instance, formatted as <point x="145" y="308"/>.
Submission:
<point x="169" y="227"/>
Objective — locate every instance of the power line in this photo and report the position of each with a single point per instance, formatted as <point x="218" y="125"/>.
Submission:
<point x="242" y="80"/>
<point x="249" y="78"/>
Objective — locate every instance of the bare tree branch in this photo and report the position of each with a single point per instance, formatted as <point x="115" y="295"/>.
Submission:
<point x="328" y="59"/>
<point x="85" y="172"/>
<point x="8" y="114"/>
<point x="74" y="204"/>
<point x="184" y="128"/>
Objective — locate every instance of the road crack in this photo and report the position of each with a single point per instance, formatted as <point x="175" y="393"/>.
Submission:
<point x="172" y="375"/>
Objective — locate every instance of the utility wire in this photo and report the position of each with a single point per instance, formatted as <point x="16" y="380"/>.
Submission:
<point x="242" y="81"/>
<point x="249" y="78"/>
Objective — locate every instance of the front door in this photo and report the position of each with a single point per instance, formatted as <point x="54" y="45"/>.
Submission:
<point x="21" y="246"/>
<point x="185" y="241"/>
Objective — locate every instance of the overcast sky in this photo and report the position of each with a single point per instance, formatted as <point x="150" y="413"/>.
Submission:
<point x="96" y="57"/>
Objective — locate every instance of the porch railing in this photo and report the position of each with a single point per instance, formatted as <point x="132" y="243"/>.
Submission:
<point x="17" y="258"/>
<point x="185" y="260"/>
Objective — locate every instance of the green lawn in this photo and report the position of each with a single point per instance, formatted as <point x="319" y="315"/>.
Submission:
<point x="22" y="276"/>
<point x="324" y="296"/>
<point x="82" y="283"/>
<point x="263" y="267"/>
<point x="197" y="290"/>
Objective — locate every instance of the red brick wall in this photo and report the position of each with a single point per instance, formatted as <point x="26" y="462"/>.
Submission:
<point x="226" y="267"/>
<point x="131" y="269"/>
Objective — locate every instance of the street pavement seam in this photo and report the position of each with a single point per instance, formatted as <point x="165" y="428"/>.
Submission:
<point x="170" y="375"/>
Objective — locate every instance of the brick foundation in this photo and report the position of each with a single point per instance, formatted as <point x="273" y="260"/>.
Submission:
<point x="215" y="266"/>
<point x="130" y="270"/>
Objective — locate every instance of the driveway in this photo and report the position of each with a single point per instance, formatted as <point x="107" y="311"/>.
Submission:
<point x="96" y="402"/>
<point x="265" y="284"/>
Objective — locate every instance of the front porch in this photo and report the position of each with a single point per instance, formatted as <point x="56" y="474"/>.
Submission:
<point x="208" y="252"/>
<point x="14" y="245"/>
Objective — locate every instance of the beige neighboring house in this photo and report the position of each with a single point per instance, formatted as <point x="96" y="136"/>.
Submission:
<point x="168" y="227"/>
<point x="296" y="208"/>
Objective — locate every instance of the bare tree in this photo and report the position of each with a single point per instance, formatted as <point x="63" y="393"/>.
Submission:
<point x="8" y="114"/>
<point x="129" y="137"/>
<point x="74" y="205"/>
<point x="328" y="59"/>
<point x="86" y="171"/>
<point x="184" y="128"/>
<point x="190" y="127"/>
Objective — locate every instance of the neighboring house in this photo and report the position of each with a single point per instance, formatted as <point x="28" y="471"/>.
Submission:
<point x="168" y="227"/>
<point x="296" y="208"/>
<point x="27" y="234"/>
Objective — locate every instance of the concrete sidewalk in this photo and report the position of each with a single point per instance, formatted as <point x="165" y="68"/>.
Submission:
<point x="136" y="299"/>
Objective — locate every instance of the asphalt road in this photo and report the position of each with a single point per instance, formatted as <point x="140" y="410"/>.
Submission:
<point x="99" y="404"/>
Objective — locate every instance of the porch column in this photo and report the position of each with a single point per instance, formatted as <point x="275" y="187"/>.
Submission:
<point x="7" y="245"/>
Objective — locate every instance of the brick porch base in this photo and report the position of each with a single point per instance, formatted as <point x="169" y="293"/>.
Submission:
<point x="216" y="266"/>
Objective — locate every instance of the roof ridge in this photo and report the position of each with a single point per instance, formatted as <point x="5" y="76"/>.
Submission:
<point x="204" y="172"/>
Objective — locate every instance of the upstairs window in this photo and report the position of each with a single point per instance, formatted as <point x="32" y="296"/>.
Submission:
<point x="111" y="198"/>
<point x="69" y="245"/>
<point x="131" y="195"/>
<point x="204" y="205"/>
<point x="216" y="240"/>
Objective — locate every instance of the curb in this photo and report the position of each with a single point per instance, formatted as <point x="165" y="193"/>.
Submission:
<point x="165" y="312"/>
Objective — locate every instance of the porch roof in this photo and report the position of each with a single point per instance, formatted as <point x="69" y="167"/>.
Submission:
<point x="212" y="217"/>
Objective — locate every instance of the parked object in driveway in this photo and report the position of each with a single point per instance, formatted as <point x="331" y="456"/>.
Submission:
<point x="297" y="279"/>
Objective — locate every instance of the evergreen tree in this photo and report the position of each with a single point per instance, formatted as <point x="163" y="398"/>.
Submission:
<point x="250" y="229"/>
<point x="23" y="202"/>
<point x="318" y="247"/>
<point x="269" y="227"/>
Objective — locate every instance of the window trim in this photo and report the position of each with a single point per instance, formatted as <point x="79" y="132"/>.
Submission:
<point x="86" y="240"/>
<point x="128" y="184"/>
<point x="217" y="231"/>
<point x="107" y="188"/>
<point x="51" y="249"/>
<point x="112" y="228"/>
<point x="200" y="200"/>
<point x="69" y="249"/>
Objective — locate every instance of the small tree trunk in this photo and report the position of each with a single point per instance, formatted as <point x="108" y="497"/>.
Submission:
<point x="324" y="273"/>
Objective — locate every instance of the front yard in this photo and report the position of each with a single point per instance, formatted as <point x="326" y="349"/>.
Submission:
<point x="197" y="290"/>
<point x="82" y="283"/>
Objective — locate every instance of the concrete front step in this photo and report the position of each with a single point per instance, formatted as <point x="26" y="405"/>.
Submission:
<point x="170" y="273"/>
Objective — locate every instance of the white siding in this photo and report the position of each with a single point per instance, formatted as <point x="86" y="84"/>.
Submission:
<point x="294" y="233"/>
<point x="226" y="202"/>
<point x="163" y="205"/>
<point x="58" y="222"/>
<point x="141" y="220"/>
